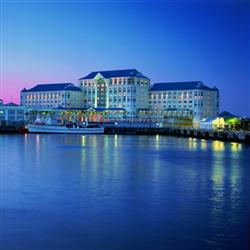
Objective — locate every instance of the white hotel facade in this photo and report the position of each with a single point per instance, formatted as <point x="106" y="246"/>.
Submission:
<point x="192" y="98"/>
<point x="129" y="95"/>
<point x="52" y="95"/>
<point x="117" y="89"/>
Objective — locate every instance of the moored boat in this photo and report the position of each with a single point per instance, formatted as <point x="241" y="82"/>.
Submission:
<point x="67" y="129"/>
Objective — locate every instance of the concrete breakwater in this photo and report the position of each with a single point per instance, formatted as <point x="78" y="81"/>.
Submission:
<point x="225" y="135"/>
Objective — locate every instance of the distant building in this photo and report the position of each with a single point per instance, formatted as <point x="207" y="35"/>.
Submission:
<point x="53" y="95"/>
<point x="1" y="102"/>
<point x="212" y="123"/>
<point x="184" y="98"/>
<point x="12" y="112"/>
<point x="121" y="89"/>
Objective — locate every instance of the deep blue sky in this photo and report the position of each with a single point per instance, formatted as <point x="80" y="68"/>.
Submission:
<point x="61" y="41"/>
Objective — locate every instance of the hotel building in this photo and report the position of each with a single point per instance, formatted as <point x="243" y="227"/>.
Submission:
<point x="182" y="99"/>
<point x="116" y="89"/>
<point x="126" y="95"/>
<point x="54" y="95"/>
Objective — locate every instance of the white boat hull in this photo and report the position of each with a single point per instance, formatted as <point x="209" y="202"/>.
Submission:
<point x="51" y="129"/>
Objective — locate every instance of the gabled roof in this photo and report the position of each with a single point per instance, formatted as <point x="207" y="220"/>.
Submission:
<point x="53" y="87"/>
<point x="115" y="73"/>
<point x="192" y="85"/>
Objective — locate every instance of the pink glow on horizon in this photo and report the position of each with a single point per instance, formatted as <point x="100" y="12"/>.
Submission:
<point x="12" y="84"/>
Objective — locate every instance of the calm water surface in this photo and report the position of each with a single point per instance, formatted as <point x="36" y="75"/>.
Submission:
<point x="122" y="192"/>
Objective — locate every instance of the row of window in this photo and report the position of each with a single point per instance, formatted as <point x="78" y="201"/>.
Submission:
<point x="114" y="90"/>
<point x="115" y="81"/>
<point x="48" y="95"/>
<point x="116" y="99"/>
<point x="49" y="105"/>
<point x="174" y="112"/>
<point x="170" y="106"/>
<point x="180" y="97"/>
<point x="169" y="101"/>
<point x="195" y="93"/>
<point x="44" y="101"/>
<point x="122" y="100"/>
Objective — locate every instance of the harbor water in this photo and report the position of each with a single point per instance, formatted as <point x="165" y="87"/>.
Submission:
<point x="120" y="192"/>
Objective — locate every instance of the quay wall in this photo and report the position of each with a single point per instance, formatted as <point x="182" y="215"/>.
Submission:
<point x="222" y="135"/>
<point x="11" y="127"/>
<point x="226" y="135"/>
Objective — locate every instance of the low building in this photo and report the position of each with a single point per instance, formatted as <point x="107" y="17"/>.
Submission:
<point x="231" y="121"/>
<point x="153" y="115"/>
<point x="11" y="112"/>
<point x="52" y="95"/>
<point x="116" y="89"/>
<point x="212" y="123"/>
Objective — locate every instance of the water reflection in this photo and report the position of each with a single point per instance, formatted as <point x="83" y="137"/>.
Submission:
<point x="157" y="142"/>
<point x="192" y="143"/>
<point x="226" y="190"/>
<point x="83" y="141"/>
<point x="204" y="144"/>
<point x="218" y="146"/>
<point x="99" y="159"/>
<point x="115" y="141"/>
<point x="25" y="141"/>
<point x="159" y="188"/>
<point x="236" y="147"/>
<point x="218" y="193"/>
<point x="235" y="170"/>
<point x="38" y="148"/>
<point x="235" y="181"/>
<point x="83" y="155"/>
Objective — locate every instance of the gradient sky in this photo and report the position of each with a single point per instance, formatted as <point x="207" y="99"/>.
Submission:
<point x="61" y="41"/>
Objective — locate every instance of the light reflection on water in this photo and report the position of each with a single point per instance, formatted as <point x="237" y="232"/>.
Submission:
<point x="123" y="192"/>
<point x="228" y="164"/>
<point x="218" y="193"/>
<point x="218" y="146"/>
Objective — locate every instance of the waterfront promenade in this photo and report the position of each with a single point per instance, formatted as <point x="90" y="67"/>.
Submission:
<point x="154" y="129"/>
